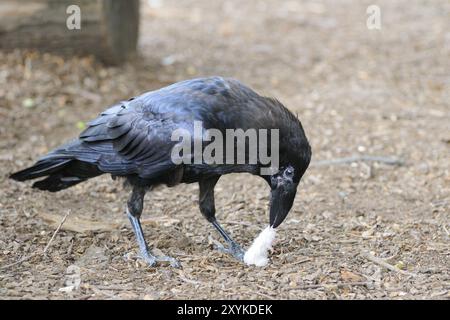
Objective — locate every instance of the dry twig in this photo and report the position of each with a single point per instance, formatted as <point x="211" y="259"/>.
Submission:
<point x="446" y="231"/>
<point x="264" y="295"/>
<point x="56" y="231"/>
<point x="26" y="258"/>
<point x="384" y="264"/>
<point x="364" y="158"/>
<point x="337" y="284"/>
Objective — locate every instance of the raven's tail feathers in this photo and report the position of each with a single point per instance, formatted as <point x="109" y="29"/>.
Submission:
<point x="61" y="171"/>
<point x="40" y="169"/>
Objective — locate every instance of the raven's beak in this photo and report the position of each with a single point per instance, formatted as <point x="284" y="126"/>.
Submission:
<point x="281" y="200"/>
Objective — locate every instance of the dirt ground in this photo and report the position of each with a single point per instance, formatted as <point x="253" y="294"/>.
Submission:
<point x="357" y="92"/>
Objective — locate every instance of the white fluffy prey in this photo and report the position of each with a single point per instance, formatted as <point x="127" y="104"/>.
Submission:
<point x="259" y="250"/>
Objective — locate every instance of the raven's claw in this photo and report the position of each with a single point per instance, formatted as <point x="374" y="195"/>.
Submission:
<point x="152" y="260"/>
<point x="146" y="255"/>
<point x="233" y="248"/>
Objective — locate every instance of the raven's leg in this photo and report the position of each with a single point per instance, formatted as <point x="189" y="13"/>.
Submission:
<point x="208" y="209"/>
<point x="135" y="205"/>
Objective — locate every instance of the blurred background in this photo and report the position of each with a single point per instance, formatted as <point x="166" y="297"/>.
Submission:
<point x="358" y="91"/>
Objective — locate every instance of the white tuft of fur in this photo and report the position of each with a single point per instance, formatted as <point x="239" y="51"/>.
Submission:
<point x="259" y="250"/>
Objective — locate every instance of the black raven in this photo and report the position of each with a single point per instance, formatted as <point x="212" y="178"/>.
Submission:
<point x="134" y="139"/>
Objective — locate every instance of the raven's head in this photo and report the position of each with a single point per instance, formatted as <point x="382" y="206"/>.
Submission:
<point x="284" y="183"/>
<point x="283" y="189"/>
<point x="294" y="155"/>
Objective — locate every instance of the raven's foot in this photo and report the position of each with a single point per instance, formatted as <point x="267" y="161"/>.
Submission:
<point x="145" y="254"/>
<point x="233" y="248"/>
<point x="152" y="260"/>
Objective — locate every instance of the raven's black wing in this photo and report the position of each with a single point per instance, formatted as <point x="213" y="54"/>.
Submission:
<point x="131" y="139"/>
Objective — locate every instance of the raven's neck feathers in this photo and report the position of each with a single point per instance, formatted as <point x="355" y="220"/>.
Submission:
<point x="294" y="146"/>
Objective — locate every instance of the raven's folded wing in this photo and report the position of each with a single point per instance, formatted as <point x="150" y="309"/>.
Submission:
<point x="132" y="140"/>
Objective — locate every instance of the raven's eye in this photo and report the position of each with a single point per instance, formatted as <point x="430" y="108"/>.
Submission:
<point x="289" y="172"/>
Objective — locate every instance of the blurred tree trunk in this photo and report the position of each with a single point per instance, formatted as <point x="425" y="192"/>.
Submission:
<point x="108" y="28"/>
